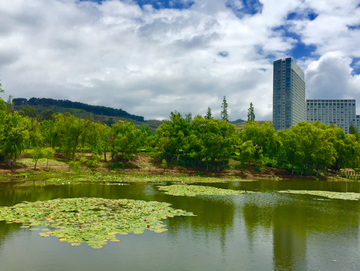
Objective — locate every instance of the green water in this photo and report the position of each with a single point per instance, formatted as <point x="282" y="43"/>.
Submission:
<point x="264" y="231"/>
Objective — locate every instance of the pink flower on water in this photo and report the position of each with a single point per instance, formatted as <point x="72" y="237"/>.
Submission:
<point x="147" y="226"/>
<point x="145" y="220"/>
<point x="17" y="213"/>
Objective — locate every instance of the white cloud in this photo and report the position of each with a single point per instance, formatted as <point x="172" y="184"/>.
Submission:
<point x="330" y="77"/>
<point x="150" y="62"/>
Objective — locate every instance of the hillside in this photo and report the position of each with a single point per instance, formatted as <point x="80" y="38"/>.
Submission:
<point x="106" y="115"/>
<point x="41" y="103"/>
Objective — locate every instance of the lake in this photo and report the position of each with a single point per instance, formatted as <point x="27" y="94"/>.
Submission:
<point x="259" y="231"/>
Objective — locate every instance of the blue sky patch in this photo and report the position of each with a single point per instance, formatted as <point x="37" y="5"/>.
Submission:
<point x="310" y="15"/>
<point x="159" y="4"/>
<point x="250" y="7"/>
<point x="300" y="49"/>
<point x="223" y="53"/>
<point x="353" y="27"/>
<point x="355" y="65"/>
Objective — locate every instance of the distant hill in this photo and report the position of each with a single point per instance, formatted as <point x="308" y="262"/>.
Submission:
<point x="46" y="103"/>
<point x="237" y="121"/>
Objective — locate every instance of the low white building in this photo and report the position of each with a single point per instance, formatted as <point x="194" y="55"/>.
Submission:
<point x="329" y="111"/>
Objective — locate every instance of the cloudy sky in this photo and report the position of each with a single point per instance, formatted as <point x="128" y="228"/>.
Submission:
<point x="151" y="57"/>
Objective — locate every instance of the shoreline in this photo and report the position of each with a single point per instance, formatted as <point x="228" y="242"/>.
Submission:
<point x="145" y="165"/>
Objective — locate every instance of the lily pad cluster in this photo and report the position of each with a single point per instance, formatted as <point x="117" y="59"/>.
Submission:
<point x="103" y="178"/>
<point x="326" y="194"/>
<point x="194" y="190"/>
<point x="90" y="220"/>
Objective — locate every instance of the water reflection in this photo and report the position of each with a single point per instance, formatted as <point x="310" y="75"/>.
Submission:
<point x="280" y="231"/>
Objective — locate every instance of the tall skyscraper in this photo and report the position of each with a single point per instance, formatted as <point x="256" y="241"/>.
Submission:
<point x="288" y="94"/>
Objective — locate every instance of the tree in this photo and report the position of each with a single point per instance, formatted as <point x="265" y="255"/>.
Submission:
<point x="173" y="136"/>
<point x="188" y="117"/>
<point x="47" y="114"/>
<point x="29" y="112"/>
<point x="125" y="140"/>
<point x="248" y="153"/>
<point x="70" y="131"/>
<point x="307" y="147"/>
<point x="208" y="115"/>
<point x="48" y="153"/>
<point x="353" y="130"/>
<point x="212" y="141"/>
<point x="14" y="134"/>
<point x="251" y="114"/>
<point x="36" y="155"/>
<point x="224" y="114"/>
<point x="263" y="136"/>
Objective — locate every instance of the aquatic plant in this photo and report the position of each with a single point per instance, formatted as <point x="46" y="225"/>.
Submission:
<point x="194" y="190"/>
<point x="90" y="220"/>
<point x="112" y="178"/>
<point x="326" y="194"/>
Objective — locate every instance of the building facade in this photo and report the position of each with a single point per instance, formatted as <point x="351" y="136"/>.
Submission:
<point x="288" y="94"/>
<point x="329" y="111"/>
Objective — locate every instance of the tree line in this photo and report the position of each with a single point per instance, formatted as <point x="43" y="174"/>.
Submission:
<point x="99" y="110"/>
<point x="202" y="141"/>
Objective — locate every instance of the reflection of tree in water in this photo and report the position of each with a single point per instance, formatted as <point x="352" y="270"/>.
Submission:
<point x="7" y="230"/>
<point x="292" y="218"/>
<point x="214" y="217"/>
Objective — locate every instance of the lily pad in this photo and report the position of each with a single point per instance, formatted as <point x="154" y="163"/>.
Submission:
<point x="194" y="190"/>
<point x="115" y="179"/>
<point x="90" y="220"/>
<point x="326" y="194"/>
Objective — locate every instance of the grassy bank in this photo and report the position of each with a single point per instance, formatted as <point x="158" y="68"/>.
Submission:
<point x="142" y="167"/>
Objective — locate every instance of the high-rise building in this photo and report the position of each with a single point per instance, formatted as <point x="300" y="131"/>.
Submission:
<point x="288" y="94"/>
<point x="329" y="111"/>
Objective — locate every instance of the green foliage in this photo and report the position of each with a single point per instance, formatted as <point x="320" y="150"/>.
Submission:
<point x="75" y="166"/>
<point x="70" y="132"/>
<point x="36" y="155"/>
<point x="163" y="164"/>
<point x="14" y="133"/>
<point x="263" y="137"/>
<point x="353" y="130"/>
<point x="125" y="140"/>
<point x="248" y="153"/>
<point x="202" y="142"/>
<point x="251" y="114"/>
<point x="92" y="161"/>
<point x="29" y="112"/>
<point x="307" y="147"/>
<point x="188" y="117"/>
<point x="102" y="110"/>
<point x="48" y="153"/>
<point x="224" y="114"/>
<point x="208" y="115"/>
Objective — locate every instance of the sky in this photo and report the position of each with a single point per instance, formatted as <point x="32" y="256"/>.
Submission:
<point x="151" y="57"/>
